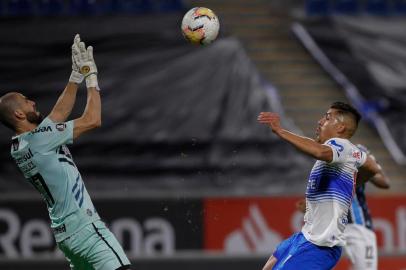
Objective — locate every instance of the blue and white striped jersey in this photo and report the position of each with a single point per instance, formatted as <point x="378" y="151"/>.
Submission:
<point x="329" y="193"/>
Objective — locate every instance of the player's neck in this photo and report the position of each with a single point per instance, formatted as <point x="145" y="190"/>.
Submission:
<point x="341" y="136"/>
<point x="25" y="127"/>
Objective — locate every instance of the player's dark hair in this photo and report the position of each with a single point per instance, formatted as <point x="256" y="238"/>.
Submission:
<point x="345" y="108"/>
<point x="6" y="111"/>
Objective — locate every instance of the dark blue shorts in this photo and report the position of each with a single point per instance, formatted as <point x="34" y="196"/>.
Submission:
<point x="298" y="253"/>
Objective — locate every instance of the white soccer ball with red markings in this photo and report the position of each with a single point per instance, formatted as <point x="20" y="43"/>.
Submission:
<point x="200" y="25"/>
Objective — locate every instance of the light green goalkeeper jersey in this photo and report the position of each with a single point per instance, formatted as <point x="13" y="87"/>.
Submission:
<point x="45" y="161"/>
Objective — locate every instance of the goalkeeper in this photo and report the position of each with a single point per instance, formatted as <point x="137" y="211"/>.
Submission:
<point x="40" y="151"/>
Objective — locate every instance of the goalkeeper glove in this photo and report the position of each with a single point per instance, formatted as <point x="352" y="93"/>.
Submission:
<point x="75" y="76"/>
<point x="84" y="60"/>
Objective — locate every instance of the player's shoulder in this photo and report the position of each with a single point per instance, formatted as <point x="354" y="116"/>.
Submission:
<point x="339" y="143"/>
<point x="344" y="145"/>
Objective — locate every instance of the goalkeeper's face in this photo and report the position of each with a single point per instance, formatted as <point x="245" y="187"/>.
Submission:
<point x="30" y="110"/>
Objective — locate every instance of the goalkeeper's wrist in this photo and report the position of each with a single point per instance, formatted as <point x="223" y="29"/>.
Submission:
<point x="76" y="77"/>
<point x="91" y="81"/>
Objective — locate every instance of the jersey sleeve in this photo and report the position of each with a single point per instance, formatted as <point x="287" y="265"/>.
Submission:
<point x="363" y="155"/>
<point x="341" y="149"/>
<point x="344" y="151"/>
<point x="50" y="135"/>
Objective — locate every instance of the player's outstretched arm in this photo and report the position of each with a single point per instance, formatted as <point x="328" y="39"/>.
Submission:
<point x="65" y="103"/>
<point x="66" y="100"/>
<point x="304" y="144"/>
<point x="91" y="117"/>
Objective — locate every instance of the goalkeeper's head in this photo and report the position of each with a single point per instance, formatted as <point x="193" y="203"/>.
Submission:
<point x="17" y="112"/>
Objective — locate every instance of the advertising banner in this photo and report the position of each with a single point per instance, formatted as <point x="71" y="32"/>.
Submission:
<point x="144" y="227"/>
<point x="168" y="227"/>
<point x="257" y="225"/>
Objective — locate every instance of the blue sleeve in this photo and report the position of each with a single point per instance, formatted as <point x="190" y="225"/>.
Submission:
<point x="340" y="148"/>
<point x="50" y="135"/>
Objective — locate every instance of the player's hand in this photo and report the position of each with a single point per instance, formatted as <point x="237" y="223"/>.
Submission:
<point x="76" y="76"/>
<point x="85" y="61"/>
<point x="271" y="119"/>
<point x="301" y="205"/>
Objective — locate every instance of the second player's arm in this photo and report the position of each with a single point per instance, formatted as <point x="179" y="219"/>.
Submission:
<point x="65" y="103"/>
<point x="307" y="145"/>
<point x="374" y="173"/>
<point x="91" y="117"/>
<point x="304" y="144"/>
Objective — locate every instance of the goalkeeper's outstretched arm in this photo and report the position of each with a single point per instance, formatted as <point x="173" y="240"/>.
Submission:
<point x="91" y="117"/>
<point x="66" y="100"/>
<point x="65" y="103"/>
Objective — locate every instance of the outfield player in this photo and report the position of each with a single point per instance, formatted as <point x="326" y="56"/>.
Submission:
<point x="361" y="245"/>
<point x="40" y="151"/>
<point x="329" y="189"/>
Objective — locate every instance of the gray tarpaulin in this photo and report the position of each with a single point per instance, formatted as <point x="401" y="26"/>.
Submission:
<point x="175" y="116"/>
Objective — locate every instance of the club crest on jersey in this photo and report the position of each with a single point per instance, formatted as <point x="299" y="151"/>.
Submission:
<point x="60" y="126"/>
<point x="41" y="129"/>
<point x="15" y="144"/>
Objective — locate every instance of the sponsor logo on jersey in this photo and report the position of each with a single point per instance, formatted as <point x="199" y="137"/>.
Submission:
<point x="41" y="129"/>
<point x="357" y="155"/>
<point x="60" y="126"/>
<point x="59" y="229"/>
<point x="24" y="158"/>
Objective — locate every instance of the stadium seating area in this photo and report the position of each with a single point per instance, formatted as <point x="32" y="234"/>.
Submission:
<point x="19" y="8"/>
<point x="355" y="7"/>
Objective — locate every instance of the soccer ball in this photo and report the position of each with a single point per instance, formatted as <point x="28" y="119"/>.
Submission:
<point x="200" y="26"/>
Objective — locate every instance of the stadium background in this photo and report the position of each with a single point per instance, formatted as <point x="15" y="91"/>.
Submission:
<point x="180" y="170"/>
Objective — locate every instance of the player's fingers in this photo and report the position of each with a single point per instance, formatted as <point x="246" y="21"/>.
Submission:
<point x="76" y="57"/>
<point x="82" y="46"/>
<point x="264" y="118"/>
<point x="75" y="49"/>
<point x="263" y="121"/>
<point x="90" y="53"/>
<point x="76" y="40"/>
<point x="82" y="49"/>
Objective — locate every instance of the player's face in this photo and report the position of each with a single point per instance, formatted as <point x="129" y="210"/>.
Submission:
<point x="326" y="127"/>
<point x="31" y="113"/>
